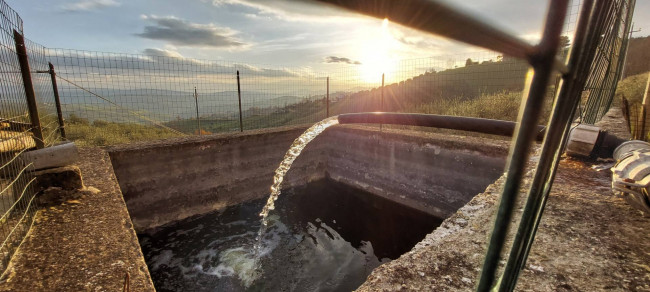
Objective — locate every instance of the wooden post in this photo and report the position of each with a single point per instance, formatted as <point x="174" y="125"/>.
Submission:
<point x="30" y="96"/>
<point x="644" y="110"/>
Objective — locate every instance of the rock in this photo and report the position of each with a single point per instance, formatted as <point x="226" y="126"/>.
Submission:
<point x="66" y="178"/>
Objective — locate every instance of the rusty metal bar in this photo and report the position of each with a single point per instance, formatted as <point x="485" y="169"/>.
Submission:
<point x="440" y="19"/>
<point x="30" y="96"/>
<point x="57" y="100"/>
<point x="644" y="111"/>
<point x="568" y="97"/>
<point x="543" y="62"/>
<point x="381" y="105"/>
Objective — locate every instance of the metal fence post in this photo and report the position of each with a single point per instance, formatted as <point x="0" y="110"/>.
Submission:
<point x="57" y="100"/>
<point x="196" y="103"/>
<point x="381" y="105"/>
<point x="241" y="123"/>
<point x="327" y="99"/>
<point x="542" y="60"/>
<point x="30" y="96"/>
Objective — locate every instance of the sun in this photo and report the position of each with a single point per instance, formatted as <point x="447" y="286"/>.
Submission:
<point x="376" y="55"/>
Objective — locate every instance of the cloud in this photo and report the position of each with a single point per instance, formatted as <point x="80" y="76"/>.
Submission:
<point x="163" y="53"/>
<point x="184" y="33"/>
<point x="293" y="10"/>
<point x="334" y="59"/>
<point x="89" y="5"/>
<point x="153" y="61"/>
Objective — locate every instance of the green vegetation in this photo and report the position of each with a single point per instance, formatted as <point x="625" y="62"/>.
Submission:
<point x="491" y="89"/>
<point x="632" y="88"/>
<point x="101" y="133"/>
<point x="502" y="106"/>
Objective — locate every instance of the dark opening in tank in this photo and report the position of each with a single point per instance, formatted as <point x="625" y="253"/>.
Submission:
<point x="323" y="236"/>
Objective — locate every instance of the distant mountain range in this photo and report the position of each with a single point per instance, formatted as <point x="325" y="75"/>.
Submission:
<point x="166" y="105"/>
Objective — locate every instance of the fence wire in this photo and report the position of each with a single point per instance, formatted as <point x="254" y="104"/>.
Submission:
<point x="110" y="98"/>
<point x="17" y="189"/>
<point x="608" y="62"/>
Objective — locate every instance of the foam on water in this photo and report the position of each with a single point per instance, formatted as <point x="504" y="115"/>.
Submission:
<point x="316" y="246"/>
<point x="244" y="261"/>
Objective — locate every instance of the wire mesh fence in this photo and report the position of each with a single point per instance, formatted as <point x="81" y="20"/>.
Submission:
<point x="112" y="98"/>
<point x="17" y="191"/>
<point x="607" y="65"/>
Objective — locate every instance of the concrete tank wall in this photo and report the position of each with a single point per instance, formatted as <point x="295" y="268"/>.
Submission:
<point x="179" y="178"/>
<point x="434" y="173"/>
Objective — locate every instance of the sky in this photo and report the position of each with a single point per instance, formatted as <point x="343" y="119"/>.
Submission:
<point x="274" y="32"/>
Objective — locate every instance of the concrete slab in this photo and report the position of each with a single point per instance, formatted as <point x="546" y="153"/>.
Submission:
<point x="84" y="241"/>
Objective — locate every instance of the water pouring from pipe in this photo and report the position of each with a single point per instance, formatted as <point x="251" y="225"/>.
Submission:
<point x="296" y="148"/>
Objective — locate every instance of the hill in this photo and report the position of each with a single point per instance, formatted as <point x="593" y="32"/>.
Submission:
<point x="638" y="56"/>
<point x="466" y="83"/>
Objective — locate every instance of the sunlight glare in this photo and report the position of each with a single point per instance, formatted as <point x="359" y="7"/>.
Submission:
<point x="376" y="55"/>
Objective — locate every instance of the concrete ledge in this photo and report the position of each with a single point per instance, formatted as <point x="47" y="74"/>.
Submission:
<point x="81" y="240"/>
<point x="588" y="239"/>
<point x="179" y="178"/>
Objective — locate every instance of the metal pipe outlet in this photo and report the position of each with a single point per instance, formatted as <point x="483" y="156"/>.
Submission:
<point x="486" y="126"/>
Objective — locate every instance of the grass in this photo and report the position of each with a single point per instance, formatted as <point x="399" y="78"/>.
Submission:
<point x="501" y="105"/>
<point x="105" y="133"/>
<point x="632" y="88"/>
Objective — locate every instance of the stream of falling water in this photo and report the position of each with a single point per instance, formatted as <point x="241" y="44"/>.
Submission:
<point x="296" y="148"/>
<point x="248" y="264"/>
<point x="291" y="155"/>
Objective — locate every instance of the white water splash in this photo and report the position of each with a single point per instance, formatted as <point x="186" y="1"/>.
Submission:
<point x="291" y="155"/>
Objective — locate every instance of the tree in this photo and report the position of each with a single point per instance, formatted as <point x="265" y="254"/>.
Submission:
<point x="564" y="42"/>
<point x="469" y="62"/>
